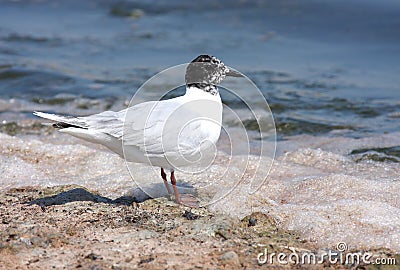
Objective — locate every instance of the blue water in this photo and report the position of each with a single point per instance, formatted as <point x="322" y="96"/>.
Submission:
<point x="324" y="67"/>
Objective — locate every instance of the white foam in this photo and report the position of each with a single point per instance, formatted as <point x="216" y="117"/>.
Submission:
<point x="328" y="198"/>
<point x="320" y="192"/>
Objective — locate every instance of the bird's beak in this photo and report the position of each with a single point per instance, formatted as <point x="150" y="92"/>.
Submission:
<point x="234" y="73"/>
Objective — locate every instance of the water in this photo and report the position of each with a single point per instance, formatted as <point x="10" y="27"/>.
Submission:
<point x="328" y="70"/>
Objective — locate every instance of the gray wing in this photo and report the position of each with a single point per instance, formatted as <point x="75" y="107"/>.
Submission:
<point x="158" y="128"/>
<point x="155" y="127"/>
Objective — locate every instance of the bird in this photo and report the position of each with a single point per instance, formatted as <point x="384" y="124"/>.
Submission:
<point x="170" y="134"/>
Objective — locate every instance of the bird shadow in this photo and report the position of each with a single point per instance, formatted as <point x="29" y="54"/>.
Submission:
<point x="80" y="194"/>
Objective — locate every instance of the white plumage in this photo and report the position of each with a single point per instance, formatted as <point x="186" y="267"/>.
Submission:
<point x="170" y="134"/>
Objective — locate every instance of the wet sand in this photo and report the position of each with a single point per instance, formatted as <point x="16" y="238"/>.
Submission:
<point x="67" y="203"/>
<point x="72" y="227"/>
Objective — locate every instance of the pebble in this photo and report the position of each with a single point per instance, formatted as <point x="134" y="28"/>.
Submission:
<point x="231" y="257"/>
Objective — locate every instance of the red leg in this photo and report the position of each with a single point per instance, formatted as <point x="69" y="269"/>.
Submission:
<point x="185" y="199"/>
<point x="164" y="177"/>
<point x="176" y="192"/>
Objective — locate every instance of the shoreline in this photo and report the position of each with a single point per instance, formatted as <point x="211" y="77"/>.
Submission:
<point x="324" y="195"/>
<point x="78" y="228"/>
<point x="85" y="232"/>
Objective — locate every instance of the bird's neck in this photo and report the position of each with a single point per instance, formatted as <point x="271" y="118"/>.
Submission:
<point x="210" y="89"/>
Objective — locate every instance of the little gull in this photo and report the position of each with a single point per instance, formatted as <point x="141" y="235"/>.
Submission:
<point x="169" y="134"/>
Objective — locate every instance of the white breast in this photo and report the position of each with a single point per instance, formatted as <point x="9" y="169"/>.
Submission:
<point x="197" y="126"/>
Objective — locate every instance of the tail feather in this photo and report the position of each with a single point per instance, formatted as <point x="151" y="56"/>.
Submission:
<point x="63" y="121"/>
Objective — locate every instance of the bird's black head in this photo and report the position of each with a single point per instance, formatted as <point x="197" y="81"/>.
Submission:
<point x="206" y="71"/>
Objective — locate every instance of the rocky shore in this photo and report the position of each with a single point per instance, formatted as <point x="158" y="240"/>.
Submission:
<point x="45" y="224"/>
<point x="72" y="227"/>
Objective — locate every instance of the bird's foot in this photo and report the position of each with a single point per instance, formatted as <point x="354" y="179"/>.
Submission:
<point x="188" y="200"/>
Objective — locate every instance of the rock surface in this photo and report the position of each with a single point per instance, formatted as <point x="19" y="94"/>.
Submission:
<point x="72" y="227"/>
<point x="69" y="226"/>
